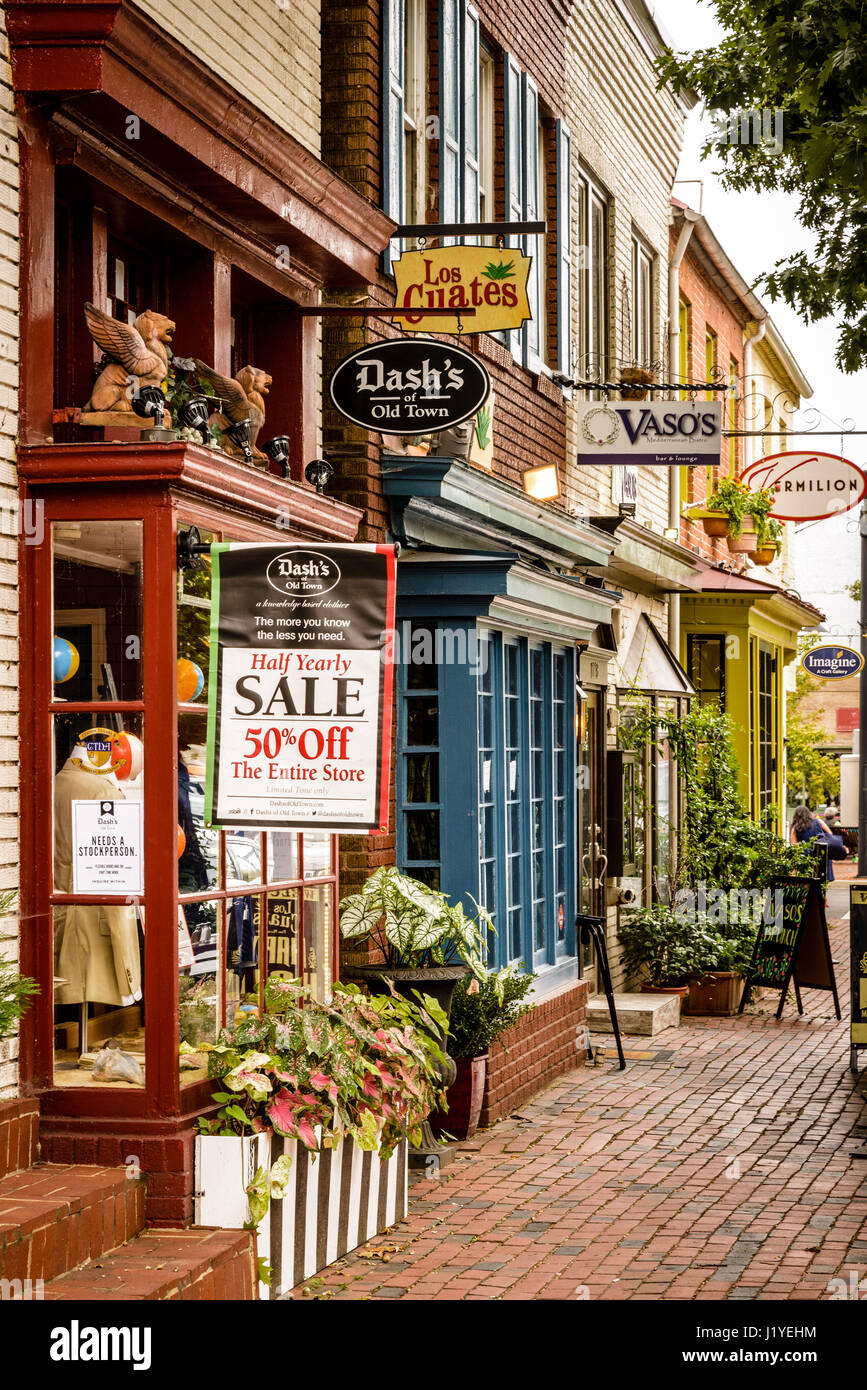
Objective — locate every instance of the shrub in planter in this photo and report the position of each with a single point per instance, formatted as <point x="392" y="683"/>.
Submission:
<point x="665" y="946"/>
<point x="481" y="1012"/>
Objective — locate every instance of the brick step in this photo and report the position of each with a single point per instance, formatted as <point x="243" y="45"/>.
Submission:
<point x="162" y="1264"/>
<point x="19" y="1135"/>
<point x="56" y="1216"/>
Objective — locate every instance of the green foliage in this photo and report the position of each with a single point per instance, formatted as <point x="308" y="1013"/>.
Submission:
<point x="483" y="1009"/>
<point x="483" y="427"/>
<point x="362" y="1068"/>
<point x="854" y="590"/>
<point x="413" y="925"/>
<point x="735" y="500"/>
<point x="656" y="939"/>
<point x="808" y="60"/>
<point x="499" y="270"/>
<point x="809" y="771"/>
<point x="718" y="848"/>
<point x="15" y="990"/>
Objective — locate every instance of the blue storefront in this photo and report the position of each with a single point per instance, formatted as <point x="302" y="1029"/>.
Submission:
<point x="495" y="610"/>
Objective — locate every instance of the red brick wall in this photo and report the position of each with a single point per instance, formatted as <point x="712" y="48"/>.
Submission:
<point x="540" y="1047"/>
<point x="19" y="1135"/>
<point x="709" y="309"/>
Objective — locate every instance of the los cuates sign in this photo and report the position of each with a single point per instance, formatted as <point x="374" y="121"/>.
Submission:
<point x="409" y="386"/>
<point x="809" y="486"/>
<point x="491" y="282"/>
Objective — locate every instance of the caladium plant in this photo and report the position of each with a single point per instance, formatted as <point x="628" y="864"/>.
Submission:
<point x="361" y="1068"/>
<point x="413" y="925"/>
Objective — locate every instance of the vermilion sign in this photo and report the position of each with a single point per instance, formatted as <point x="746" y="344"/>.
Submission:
<point x="809" y="486"/>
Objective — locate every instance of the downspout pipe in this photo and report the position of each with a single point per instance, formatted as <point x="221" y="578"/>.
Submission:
<point x="752" y="447"/>
<point x="689" y="220"/>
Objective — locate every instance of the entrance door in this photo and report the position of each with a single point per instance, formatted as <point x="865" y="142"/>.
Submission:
<point x="591" y="853"/>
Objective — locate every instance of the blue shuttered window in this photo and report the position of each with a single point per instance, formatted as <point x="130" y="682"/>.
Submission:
<point x="519" y="712"/>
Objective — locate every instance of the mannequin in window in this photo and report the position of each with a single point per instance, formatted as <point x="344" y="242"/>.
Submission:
<point x="96" y="951"/>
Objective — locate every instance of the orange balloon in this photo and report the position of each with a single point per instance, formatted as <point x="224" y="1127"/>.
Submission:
<point x="190" y="680"/>
<point x="182" y="842"/>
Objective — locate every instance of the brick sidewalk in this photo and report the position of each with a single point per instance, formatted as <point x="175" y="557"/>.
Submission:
<point x="720" y="1169"/>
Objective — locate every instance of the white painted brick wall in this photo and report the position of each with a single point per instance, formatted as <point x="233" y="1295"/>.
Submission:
<point x="9" y="347"/>
<point x="267" y="51"/>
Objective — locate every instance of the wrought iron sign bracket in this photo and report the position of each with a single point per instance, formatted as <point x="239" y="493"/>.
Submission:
<point x="441" y="229"/>
<point x="561" y="379"/>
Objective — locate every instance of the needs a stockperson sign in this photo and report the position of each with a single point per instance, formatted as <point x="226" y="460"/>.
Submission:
<point x="670" y="433"/>
<point x="300" y="691"/>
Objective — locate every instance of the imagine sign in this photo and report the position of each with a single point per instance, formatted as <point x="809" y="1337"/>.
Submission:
<point x="832" y="663"/>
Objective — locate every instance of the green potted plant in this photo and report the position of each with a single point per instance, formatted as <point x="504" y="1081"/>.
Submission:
<point x="769" y="540"/>
<point x="424" y="941"/>
<point x="742" y="509"/>
<point x="664" y="946"/>
<point x="295" y="1087"/>
<point x="482" y="1010"/>
<point x="15" y="989"/>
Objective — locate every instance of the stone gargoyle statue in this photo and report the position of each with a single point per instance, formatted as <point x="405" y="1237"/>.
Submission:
<point x="135" y="356"/>
<point x="243" y="398"/>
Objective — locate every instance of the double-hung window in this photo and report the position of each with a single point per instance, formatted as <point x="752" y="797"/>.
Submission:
<point x="404" y="120"/>
<point x="642" y="304"/>
<point x="592" y="278"/>
<point x="526" y="201"/>
<point x="466" y="117"/>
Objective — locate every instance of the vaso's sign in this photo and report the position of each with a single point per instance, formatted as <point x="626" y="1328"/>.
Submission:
<point x="490" y="282"/>
<point x="809" y="486"/>
<point x="832" y="663"/>
<point x="409" y="386"/>
<point x="649" y="432"/>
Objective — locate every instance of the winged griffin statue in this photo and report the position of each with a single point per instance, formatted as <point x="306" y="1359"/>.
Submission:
<point x="242" y="398"/>
<point x="135" y="356"/>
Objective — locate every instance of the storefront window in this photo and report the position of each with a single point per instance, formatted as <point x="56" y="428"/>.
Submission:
<point x="99" y="933"/>
<point x="420" y="735"/>
<point x="234" y="926"/>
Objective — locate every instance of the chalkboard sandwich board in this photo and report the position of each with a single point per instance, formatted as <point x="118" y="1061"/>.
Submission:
<point x="792" y="945"/>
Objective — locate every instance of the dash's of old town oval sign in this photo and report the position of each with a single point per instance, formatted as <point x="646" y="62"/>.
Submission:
<point x="409" y="386"/>
<point x="832" y="663"/>
<point x="809" y="486"/>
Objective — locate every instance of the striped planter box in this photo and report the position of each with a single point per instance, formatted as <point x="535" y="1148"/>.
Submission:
<point x="335" y="1200"/>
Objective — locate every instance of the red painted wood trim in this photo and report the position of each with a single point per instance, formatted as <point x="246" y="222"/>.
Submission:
<point x="35" y="424"/>
<point x="199" y="471"/>
<point x="76" y="47"/>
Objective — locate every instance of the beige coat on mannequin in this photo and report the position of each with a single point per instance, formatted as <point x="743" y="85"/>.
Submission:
<point x="96" y="950"/>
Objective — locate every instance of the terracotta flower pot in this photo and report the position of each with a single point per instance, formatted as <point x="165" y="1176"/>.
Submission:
<point x="715" y="524"/>
<point x="765" y="556"/>
<point x="681" y="990"/>
<point x="464" y="1096"/>
<point x="746" y="542"/>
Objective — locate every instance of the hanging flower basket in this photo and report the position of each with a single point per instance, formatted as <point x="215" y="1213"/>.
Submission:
<point x="746" y="542"/>
<point x="765" y="555"/>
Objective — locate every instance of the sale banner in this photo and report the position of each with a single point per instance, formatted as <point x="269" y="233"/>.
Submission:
<point x="300" y="690"/>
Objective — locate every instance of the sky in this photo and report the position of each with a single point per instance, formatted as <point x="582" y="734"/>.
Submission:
<point x="756" y="230"/>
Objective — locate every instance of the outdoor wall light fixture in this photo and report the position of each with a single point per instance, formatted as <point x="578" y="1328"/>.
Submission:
<point x="239" y="433"/>
<point x="318" y="472"/>
<point x="627" y="509"/>
<point x="542" y="483"/>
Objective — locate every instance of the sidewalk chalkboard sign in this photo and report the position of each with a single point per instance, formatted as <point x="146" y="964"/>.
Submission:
<point x="858" y="961"/>
<point x="792" y="945"/>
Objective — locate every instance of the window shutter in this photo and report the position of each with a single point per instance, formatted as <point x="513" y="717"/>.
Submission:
<point x="450" y="114"/>
<point x="564" y="249"/>
<point x="470" y="203"/>
<point x="514" y="124"/>
<point x="392" y="115"/>
<point x="533" y="246"/>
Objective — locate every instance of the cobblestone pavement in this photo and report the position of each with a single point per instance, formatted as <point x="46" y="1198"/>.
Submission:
<point x="721" y="1168"/>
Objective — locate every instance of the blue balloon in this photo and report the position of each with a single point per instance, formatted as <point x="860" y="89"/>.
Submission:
<point x="66" y="659"/>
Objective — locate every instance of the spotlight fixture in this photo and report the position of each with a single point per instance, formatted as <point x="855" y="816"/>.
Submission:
<point x="240" y="436"/>
<point x="277" y="450"/>
<point x="542" y="483"/>
<point x="318" y="472"/>
<point x="194" y="416"/>
<point x="150" y="403"/>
